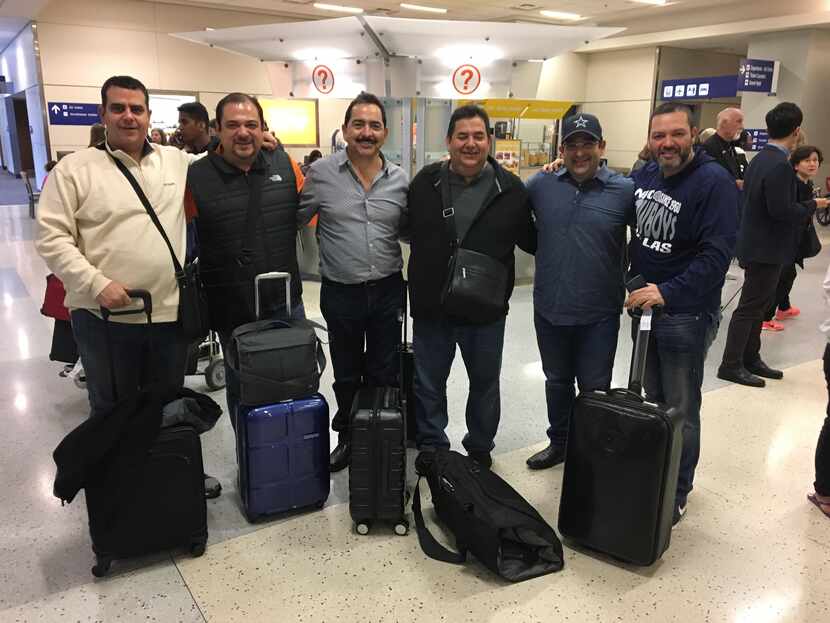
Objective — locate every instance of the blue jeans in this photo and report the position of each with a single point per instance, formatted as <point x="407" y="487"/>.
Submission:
<point x="140" y="355"/>
<point x="231" y="380"/>
<point x="674" y="375"/>
<point x="364" y="325"/>
<point x="481" y="347"/>
<point x="581" y="352"/>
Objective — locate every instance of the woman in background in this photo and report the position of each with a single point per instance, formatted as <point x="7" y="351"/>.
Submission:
<point x="805" y="160"/>
<point x="158" y="136"/>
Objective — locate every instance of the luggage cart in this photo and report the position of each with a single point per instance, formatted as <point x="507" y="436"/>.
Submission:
<point x="211" y="351"/>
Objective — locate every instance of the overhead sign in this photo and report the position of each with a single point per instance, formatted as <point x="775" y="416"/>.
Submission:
<point x="758" y="76"/>
<point x="759" y="138"/>
<point x="466" y="79"/>
<point x="323" y="79"/>
<point x="522" y="109"/>
<point x="711" y="87"/>
<point x="69" y="113"/>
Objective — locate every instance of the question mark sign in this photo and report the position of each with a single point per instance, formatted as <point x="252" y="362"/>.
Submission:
<point x="469" y="76"/>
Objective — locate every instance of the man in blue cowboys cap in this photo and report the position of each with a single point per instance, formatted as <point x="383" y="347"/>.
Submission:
<point x="582" y="212"/>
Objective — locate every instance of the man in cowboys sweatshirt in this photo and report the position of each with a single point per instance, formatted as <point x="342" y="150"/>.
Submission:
<point x="684" y="239"/>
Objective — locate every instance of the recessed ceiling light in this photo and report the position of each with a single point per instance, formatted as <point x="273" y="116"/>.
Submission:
<point x="535" y="60"/>
<point x="337" y="7"/>
<point x="652" y="2"/>
<point x="418" y="7"/>
<point x="570" y="17"/>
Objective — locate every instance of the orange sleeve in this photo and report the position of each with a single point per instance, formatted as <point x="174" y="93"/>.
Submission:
<point x="190" y="209"/>
<point x="298" y="174"/>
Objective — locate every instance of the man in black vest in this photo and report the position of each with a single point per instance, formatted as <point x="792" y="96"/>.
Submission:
<point x="219" y="191"/>
<point x="771" y="229"/>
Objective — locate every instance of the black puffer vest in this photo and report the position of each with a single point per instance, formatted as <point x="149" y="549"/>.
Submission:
<point x="221" y="193"/>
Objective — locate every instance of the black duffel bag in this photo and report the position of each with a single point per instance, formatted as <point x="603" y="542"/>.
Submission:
<point x="489" y="519"/>
<point x="276" y="360"/>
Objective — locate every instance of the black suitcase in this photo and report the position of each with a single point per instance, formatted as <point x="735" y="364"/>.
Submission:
<point x="166" y="509"/>
<point x="377" y="471"/>
<point x="407" y="372"/>
<point x="621" y="467"/>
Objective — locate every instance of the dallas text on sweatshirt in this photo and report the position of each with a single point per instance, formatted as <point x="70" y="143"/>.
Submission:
<point x="685" y="233"/>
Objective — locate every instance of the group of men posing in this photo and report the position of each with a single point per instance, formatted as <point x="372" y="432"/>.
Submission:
<point x="95" y="235"/>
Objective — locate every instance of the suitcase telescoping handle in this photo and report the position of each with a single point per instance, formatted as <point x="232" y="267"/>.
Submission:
<point x="638" y="358"/>
<point x="403" y="312"/>
<point x="268" y="277"/>
<point x="146" y="308"/>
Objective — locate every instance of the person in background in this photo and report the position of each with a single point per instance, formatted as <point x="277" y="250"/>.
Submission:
<point x="705" y="135"/>
<point x="821" y="487"/>
<point x="97" y="134"/>
<point x="310" y="159"/>
<point x="158" y="136"/>
<point x="805" y="160"/>
<point x="193" y="127"/>
<point x="769" y="238"/>
<point x="212" y="128"/>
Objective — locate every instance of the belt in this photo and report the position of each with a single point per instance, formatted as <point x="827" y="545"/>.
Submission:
<point x="363" y="284"/>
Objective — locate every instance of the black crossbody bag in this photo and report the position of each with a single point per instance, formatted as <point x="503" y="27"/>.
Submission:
<point x="476" y="283"/>
<point x="193" y="305"/>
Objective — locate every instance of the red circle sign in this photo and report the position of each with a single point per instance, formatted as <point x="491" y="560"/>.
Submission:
<point x="323" y="79"/>
<point x="466" y="79"/>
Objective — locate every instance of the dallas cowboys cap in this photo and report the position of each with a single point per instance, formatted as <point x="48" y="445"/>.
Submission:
<point x="581" y="122"/>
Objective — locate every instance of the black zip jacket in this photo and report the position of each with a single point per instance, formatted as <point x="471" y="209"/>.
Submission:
<point x="505" y="221"/>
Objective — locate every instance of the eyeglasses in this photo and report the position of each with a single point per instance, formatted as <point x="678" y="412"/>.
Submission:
<point x="578" y="146"/>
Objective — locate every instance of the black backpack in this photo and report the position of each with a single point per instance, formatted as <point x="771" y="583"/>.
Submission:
<point x="488" y="517"/>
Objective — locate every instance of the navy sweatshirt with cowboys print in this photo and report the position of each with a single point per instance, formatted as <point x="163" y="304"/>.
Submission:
<point x="685" y="233"/>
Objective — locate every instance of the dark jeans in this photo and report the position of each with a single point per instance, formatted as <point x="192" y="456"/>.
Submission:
<point x="582" y="352"/>
<point x="822" y="483"/>
<point x="743" y="342"/>
<point x="782" y="291"/>
<point x="231" y="380"/>
<point x="674" y="375"/>
<point x="364" y="325"/>
<point x="481" y="348"/>
<point x="141" y="355"/>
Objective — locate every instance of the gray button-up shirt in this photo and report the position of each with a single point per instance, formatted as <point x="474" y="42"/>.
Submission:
<point x="357" y="231"/>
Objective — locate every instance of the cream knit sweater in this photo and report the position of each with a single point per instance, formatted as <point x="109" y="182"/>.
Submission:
<point x="92" y="228"/>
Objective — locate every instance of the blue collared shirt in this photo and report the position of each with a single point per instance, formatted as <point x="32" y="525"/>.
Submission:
<point x="357" y="231"/>
<point x="581" y="254"/>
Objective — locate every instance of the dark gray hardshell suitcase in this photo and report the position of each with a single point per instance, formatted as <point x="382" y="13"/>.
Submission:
<point x="377" y="471"/>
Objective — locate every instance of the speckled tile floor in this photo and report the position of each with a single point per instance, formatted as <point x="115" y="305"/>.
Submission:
<point x="751" y="549"/>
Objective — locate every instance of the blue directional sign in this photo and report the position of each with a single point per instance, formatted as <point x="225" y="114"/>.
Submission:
<point x="699" y="88"/>
<point x="69" y="113"/>
<point x="759" y="138"/>
<point x="758" y="76"/>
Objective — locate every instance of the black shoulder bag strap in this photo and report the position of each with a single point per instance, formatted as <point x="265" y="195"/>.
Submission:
<point x="429" y="544"/>
<point x="448" y="211"/>
<point x="152" y="213"/>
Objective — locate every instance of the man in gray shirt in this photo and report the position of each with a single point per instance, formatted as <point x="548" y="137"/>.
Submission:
<point x="359" y="198"/>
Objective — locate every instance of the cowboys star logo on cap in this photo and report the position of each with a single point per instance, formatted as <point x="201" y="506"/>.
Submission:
<point x="582" y="123"/>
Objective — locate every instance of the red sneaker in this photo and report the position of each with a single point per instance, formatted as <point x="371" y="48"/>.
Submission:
<point x="771" y="325"/>
<point x="783" y="314"/>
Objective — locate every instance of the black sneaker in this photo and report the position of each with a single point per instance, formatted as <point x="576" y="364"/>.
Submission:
<point x="212" y="487"/>
<point x="481" y="457"/>
<point x="679" y="513"/>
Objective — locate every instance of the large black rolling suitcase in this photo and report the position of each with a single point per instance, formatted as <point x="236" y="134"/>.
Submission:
<point x="407" y="372"/>
<point x="166" y="504"/>
<point x="377" y="471"/>
<point x="621" y="467"/>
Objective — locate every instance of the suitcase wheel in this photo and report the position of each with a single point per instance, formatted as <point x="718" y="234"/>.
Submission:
<point x="215" y="374"/>
<point x="402" y="528"/>
<point x="197" y="548"/>
<point x="102" y="566"/>
<point x="363" y="527"/>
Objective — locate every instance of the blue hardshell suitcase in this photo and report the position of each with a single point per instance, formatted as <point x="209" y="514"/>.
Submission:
<point x="283" y="452"/>
<point x="282" y="448"/>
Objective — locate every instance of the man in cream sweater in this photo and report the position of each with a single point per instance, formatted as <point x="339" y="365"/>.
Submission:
<point x="95" y="235"/>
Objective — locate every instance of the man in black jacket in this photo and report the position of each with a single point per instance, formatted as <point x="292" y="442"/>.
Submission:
<point x="491" y="214"/>
<point x="220" y="190"/>
<point x="768" y="239"/>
